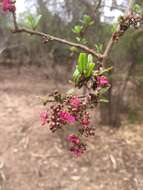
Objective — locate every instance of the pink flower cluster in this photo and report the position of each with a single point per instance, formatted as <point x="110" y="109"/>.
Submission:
<point x="8" y="5"/>
<point x="67" y="117"/>
<point x="102" y="81"/>
<point x="78" y="150"/>
<point x="73" y="139"/>
<point x="77" y="147"/>
<point x="71" y="111"/>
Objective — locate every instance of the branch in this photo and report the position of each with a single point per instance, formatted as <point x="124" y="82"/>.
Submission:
<point x="48" y="37"/>
<point x="111" y="41"/>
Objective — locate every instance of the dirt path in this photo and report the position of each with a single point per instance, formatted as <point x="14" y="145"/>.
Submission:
<point x="31" y="158"/>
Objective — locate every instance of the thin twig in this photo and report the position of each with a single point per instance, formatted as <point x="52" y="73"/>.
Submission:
<point x="111" y="41"/>
<point x="15" y="21"/>
<point x="52" y="99"/>
<point x="48" y="37"/>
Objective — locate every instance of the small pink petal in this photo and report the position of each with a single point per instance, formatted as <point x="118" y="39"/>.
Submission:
<point x="75" y="102"/>
<point x="102" y="81"/>
<point x="67" y="117"/>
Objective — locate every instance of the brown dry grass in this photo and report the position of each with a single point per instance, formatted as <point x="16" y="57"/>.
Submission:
<point x="31" y="158"/>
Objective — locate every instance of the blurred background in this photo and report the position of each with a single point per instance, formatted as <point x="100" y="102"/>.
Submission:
<point x="29" y="69"/>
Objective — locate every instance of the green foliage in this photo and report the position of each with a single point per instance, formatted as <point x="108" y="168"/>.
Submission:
<point x="76" y="76"/>
<point x="103" y="100"/>
<point x="77" y="29"/>
<point x="137" y="8"/>
<point x="85" y="64"/>
<point x="70" y="91"/>
<point x="99" y="48"/>
<point x="80" y="29"/>
<point x="82" y="62"/>
<point x="87" y="20"/>
<point x="73" y="49"/>
<point x="81" y="40"/>
<point x="33" y="21"/>
<point x="114" y="26"/>
<point x="104" y="71"/>
<point x="90" y="69"/>
<point x="84" y="68"/>
<point x="103" y="90"/>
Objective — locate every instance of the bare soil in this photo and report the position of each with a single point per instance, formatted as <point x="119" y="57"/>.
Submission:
<point x="31" y="158"/>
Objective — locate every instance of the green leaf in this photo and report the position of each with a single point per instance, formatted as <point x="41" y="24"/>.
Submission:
<point x="71" y="91"/>
<point x="82" y="62"/>
<point x="137" y="8"/>
<point x="30" y="21"/>
<point x="104" y="100"/>
<point x="114" y="25"/>
<point x="105" y="71"/>
<point x="89" y="66"/>
<point x="85" y="66"/>
<point x="90" y="58"/>
<point x="78" y="39"/>
<point x="77" y="29"/>
<point x="76" y="76"/>
<point x="99" y="48"/>
<point x="73" y="49"/>
<point x="90" y="69"/>
<point x="84" y="41"/>
<point x="33" y="21"/>
<point x="91" y="23"/>
<point x="104" y="90"/>
<point x="37" y="20"/>
<point x="87" y="19"/>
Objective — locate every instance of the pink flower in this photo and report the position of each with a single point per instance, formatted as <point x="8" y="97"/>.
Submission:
<point x="102" y="81"/>
<point x="85" y="121"/>
<point x="67" y="117"/>
<point x="8" y="5"/>
<point x="44" y="117"/>
<point x="73" y="139"/>
<point x="75" y="102"/>
<point x="78" y="150"/>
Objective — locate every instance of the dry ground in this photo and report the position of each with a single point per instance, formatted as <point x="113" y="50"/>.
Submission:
<point x="31" y="158"/>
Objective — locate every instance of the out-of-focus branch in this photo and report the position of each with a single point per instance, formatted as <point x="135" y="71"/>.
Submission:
<point x="15" y="21"/>
<point x="48" y="37"/>
<point x="93" y="8"/>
